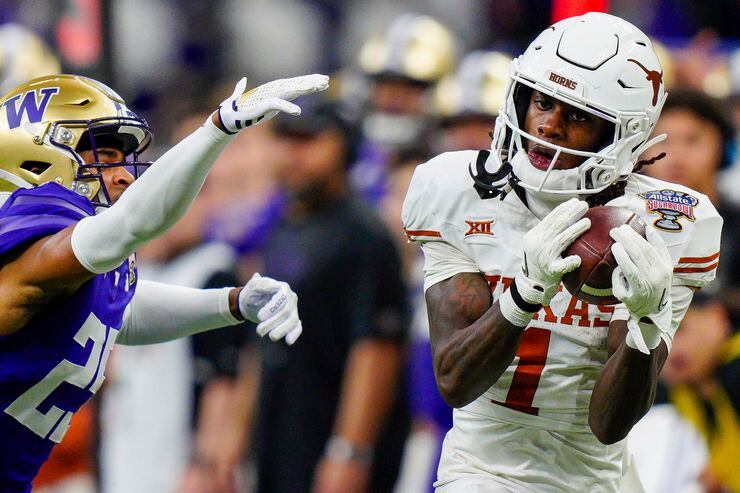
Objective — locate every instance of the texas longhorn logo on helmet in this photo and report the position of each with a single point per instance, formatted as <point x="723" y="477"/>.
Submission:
<point x="653" y="76"/>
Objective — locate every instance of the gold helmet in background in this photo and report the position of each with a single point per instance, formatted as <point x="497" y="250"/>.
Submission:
<point x="47" y="121"/>
<point x="477" y="89"/>
<point x="23" y="56"/>
<point x="414" y="47"/>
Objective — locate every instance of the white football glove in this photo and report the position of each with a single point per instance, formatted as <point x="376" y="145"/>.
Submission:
<point x="642" y="281"/>
<point x="244" y="109"/>
<point x="273" y="306"/>
<point x="543" y="267"/>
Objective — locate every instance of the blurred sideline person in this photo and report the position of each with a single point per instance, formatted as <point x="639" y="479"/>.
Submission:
<point x="668" y="452"/>
<point x="546" y="386"/>
<point x="467" y="103"/>
<point x="198" y="373"/>
<point x="70" y="224"/>
<point x="402" y="64"/>
<point x="23" y="56"/>
<point x="341" y="394"/>
<point x="703" y="377"/>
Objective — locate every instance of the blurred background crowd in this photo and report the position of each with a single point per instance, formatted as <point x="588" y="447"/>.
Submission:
<point x="316" y="201"/>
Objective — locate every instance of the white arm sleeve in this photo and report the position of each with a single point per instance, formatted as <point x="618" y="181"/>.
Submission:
<point x="163" y="312"/>
<point x="151" y="204"/>
<point x="442" y="261"/>
<point x="681" y="297"/>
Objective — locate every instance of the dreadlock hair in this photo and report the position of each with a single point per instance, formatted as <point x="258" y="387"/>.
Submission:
<point x="610" y="193"/>
<point x="647" y="162"/>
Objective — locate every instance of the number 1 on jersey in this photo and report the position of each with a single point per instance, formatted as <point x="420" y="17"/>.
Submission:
<point x="532" y="355"/>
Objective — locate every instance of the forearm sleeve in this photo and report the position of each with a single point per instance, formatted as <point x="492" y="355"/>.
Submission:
<point x="151" y="204"/>
<point x="163" y="312"/>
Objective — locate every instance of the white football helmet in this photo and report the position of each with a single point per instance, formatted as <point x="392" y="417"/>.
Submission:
<point x="600" y="64"/>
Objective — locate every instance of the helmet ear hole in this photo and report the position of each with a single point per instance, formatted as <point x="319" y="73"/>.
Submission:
<point x="35" y="167"/>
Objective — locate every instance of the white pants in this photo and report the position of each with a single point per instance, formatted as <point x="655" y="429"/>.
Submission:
<point x="482" y="454"/>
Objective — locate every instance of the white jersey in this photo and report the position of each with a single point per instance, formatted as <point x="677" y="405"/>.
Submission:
<point x="562" y="351"/>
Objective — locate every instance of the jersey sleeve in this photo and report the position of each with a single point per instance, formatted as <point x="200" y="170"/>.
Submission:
<point x="420" y="212"/>
<point x="442" y="261"/>
<point x="427" y="211"/>
<point x="432" y="199"/>
<point x="31" y="214"/>
<point x="697" y="265"/>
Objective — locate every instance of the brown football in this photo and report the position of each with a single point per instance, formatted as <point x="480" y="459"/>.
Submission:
<point x="592" y="281"/>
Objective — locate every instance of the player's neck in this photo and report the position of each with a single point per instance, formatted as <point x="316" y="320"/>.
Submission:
<point x="541" y="206"/>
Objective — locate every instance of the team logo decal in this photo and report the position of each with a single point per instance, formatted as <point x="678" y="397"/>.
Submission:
<point x="563" y="81"/>
<point x="672" y="205"/>
<point x="655" y="78"/>
<point x="480" y="227"/>
<point x="33" y="104"/>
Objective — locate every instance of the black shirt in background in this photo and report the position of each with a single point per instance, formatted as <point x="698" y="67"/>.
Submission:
<point x="346" y="271"/>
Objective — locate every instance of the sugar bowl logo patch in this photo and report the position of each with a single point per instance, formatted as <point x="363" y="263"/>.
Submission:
<point x="672" y="205"/>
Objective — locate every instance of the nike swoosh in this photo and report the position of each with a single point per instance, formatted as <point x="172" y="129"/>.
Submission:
<point x="525" y="270"/>
<point x="663" y="302"/>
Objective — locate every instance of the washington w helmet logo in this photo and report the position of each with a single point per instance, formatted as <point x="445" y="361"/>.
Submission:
<point x="33" y="104"/>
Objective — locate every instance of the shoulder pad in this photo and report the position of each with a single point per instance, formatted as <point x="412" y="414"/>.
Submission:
<point x="689" y="224"/>
<point x="32" y="213"/>
<point x="434" y="188"/>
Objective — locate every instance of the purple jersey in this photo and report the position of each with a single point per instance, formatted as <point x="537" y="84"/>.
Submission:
<point x="55" y="363"/>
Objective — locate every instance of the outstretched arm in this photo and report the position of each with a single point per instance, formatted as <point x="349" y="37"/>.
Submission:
<point x="163" y="312"/>
<point x="161" y="196"/>
<point x="56" y="266"/>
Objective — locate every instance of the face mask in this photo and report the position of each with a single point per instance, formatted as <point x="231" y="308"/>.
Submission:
<point x="558" y="179"/>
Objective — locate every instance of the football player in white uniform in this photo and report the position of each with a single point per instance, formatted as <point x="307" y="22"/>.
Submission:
<point x="546" y="386"/>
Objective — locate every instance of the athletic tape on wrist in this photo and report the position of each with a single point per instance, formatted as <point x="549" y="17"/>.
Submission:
<point x="511" y="311"/>
<point x="636" y="336"/>
<point x="521" y="302"/>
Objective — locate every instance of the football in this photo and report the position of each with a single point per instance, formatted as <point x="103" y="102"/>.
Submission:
<point x="592" y="281"/>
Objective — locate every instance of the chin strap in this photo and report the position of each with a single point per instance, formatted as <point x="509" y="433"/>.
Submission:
<point x="13" y="179"/>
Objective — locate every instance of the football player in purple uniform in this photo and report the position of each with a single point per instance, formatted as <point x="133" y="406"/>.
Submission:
<point x="71" y="220"/>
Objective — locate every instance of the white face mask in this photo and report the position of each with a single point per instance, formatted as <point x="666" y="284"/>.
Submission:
<point x="559" y="179"/>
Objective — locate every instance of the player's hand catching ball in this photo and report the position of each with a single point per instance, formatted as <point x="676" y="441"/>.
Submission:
<point x="246" y="108"/>
<point x="642" y="281"/>
<point x="273" y="306"/>
<point x="543" y="266"/>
